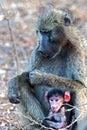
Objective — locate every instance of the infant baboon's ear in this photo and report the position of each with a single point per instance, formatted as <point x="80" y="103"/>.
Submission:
<point x="67" y="96"/>
<point x="46" y="95"/>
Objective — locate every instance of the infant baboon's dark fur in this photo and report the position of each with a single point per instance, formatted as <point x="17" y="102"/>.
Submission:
<point x="57" y="61"/>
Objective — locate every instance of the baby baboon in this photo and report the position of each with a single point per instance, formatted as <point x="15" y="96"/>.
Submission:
<point x="58" y="60"/>
<point x="57" y="114"/>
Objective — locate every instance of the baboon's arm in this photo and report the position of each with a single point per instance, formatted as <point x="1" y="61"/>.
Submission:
<point x="76" y="73"/>
<point x="37" y="78"/>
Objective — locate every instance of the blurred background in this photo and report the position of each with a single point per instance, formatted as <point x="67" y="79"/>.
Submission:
<point x="17" y="39"/>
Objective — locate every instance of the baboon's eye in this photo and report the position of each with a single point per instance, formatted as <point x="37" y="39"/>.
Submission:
<point x="36" y="31"/>
<point x="67" y="21"/>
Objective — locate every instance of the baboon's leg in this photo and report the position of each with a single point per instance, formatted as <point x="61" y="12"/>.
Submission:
<point x="30" y="109"/>
<point x="30" y="104"/>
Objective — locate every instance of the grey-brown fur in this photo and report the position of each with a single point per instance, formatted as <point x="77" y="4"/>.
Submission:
<point x="65" y="69"/>
<point x="83" y="125"/>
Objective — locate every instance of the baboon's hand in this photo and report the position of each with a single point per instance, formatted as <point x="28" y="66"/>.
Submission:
<point x="35" y="77"/>
<point x="15" y="85"/>
<point x="13" y="92"/>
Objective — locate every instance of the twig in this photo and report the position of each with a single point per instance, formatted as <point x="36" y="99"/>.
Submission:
<point x="77" y="108"/>
<point x="74" y="121"/>
<point x="42" y="126"/>
<point x="35" y="122"/>
<point x="6" y="17"/>
<point x="14" y="45"/>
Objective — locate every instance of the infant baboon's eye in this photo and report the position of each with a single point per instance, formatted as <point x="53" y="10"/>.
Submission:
<point x="51" y="100"/>
<point x="67" y="21"/>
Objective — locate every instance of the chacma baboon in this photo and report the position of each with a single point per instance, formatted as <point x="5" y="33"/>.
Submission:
<point x="58" y="60"/>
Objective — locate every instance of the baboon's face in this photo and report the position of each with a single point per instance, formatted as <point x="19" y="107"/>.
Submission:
<point x="51" y="42"/>
<point x="51" y="33"/>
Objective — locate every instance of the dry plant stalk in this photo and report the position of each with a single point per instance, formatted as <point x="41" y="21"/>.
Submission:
<point x="42" y="126"/>
<point x="7" y="18"/>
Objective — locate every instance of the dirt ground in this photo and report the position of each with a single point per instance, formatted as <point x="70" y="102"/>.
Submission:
<point x="17" y="40"/>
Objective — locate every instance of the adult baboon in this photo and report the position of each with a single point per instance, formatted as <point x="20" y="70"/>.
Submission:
<point x="57" y="61"/>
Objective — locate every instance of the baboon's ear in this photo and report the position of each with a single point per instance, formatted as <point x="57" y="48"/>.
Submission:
<point x="46" y="95"/>
<point x="67" y="21"/>
<point x="67" y="96"/>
